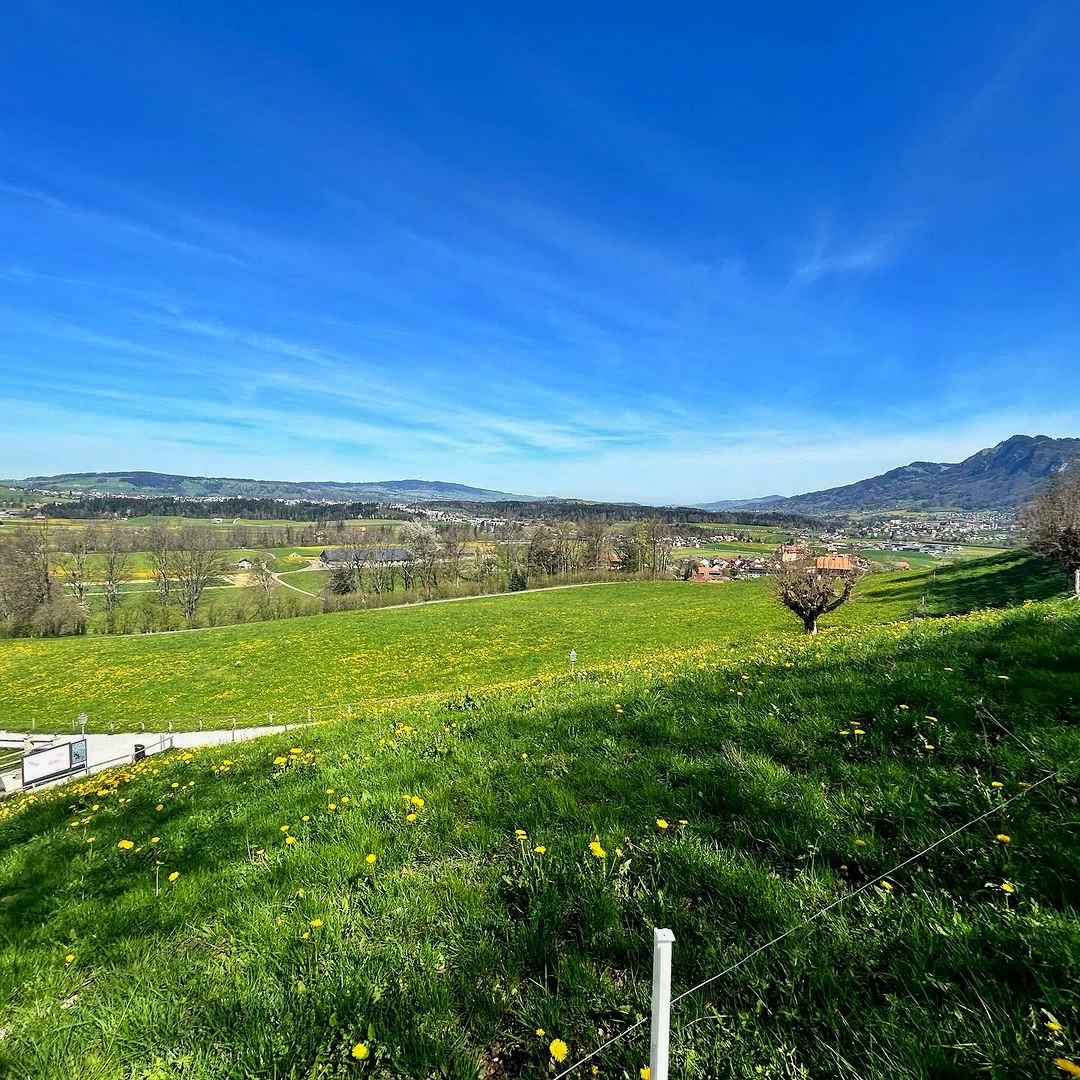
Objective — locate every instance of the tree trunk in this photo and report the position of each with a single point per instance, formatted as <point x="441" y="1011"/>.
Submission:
<point x="810" y="624"/>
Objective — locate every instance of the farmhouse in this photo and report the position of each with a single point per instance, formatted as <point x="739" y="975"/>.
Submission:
<point x="244" y="564"/>
<point x="841" y="564"/>
<point x="343" y="556"/>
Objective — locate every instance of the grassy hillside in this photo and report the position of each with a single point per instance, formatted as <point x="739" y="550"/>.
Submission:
<point x="788" y="774"/>
<point x="284" y="667"/>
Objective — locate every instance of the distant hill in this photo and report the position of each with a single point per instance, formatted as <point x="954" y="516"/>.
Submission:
<point x="152" y="483"/>
<point x="764" y="502"/>
<point x="1000" y="477"/>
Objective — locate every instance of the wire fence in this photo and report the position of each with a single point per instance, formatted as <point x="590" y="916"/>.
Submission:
<point x="873" y="883"/>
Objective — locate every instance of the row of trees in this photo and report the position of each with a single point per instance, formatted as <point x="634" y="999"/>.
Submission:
<point x="45" y="590"/>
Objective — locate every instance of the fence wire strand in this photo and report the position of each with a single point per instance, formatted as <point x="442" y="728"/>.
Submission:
<point x="817" y="914"/>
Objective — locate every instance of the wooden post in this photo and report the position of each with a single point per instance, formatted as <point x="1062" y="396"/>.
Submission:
<point x="661" y="1004"/>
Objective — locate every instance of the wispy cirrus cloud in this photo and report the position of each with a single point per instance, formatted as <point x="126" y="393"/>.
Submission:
<point x="830" y="257"/>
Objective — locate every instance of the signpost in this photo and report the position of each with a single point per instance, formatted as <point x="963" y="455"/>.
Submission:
<point x="53" y="762"/>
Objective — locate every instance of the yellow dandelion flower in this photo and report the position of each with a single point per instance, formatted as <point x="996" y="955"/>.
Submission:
<point x="160" y="806"/>
<point x="360" y="1051"/>
<point x="155" y="839"/>
<point x="902" y="707"/>
<point x="370" y="859"/>
<point x="645" y="1072"/>
<point x="283" y="828"/>
<point x="661" y="823"/>
<point x="1007" y="887"/>
<point x="540" y="849"/>
<point x="887" y="886"/>
<point x="860" y="843"/>
<point x="683" y="821"/>
<point x="279" y="760"/>
<point x="618" y="853"/>
<point x="928" y="746"/>
<point x="290" y="839"/>
<point x="521" y="834"/>
<point x="70" y="958"/>
<point x="126" y="845"/>
<point x="315" y="923"/>
<point x="1070" y="1068"/>
<point x="558" y="1049"/>
<point x="174" y="875"/>
<point x="1003" y="838"/>
<point x="417" y="801"/>
<point x="540" y="1032"/>
<point x="1053" y="1025"/>
<point x="859" y="731"/>
<point x="597" y="850"/>
<point x="410" y="817"/>
<point x="996" y="784"/>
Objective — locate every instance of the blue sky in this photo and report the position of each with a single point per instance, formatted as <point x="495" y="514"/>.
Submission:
<point x="662" y="253"/>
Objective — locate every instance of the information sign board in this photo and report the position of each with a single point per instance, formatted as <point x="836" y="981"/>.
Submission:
<point x="53" y="761"/>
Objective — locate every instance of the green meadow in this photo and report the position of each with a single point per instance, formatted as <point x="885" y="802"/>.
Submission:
<point x="463" y="887"/>
<point x="283" y="668"/>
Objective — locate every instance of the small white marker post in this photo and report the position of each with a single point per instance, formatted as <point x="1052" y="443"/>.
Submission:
<point x="573" y="660"/>
<point x="661" y="1004"/>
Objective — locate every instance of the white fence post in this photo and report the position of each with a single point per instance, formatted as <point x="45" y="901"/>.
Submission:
<point x="661" y="1004"/>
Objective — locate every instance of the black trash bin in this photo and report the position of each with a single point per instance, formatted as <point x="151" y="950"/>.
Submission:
<point x="140" y="751"/>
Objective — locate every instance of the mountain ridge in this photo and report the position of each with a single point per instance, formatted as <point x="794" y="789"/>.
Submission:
<point x="1000" y="477"/>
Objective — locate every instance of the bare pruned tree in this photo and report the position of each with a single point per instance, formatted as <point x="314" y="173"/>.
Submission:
<point x="1052" y="522"/>
<point x="811" y="590"/>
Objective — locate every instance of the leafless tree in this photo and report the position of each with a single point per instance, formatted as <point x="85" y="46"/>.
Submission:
<point x="452" y="549"/>
<point x="115" y="564"/>
<point x="810" y="591"/>
<point x="81" y="543"/>
<point x="196" y="562"/>
<point x="160" y="549"/>
<point x="262" y="583"/>
<point x="1052" y="522"/>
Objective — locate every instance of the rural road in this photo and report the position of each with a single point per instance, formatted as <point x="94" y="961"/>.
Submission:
<point x="103" y="750"/>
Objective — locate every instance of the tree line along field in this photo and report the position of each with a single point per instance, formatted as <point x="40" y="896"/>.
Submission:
<point x="445" y="888"/>
<point x="324" y="663"/>
<point x="133" y="600"/>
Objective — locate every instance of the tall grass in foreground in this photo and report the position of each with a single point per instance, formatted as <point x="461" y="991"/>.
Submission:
<point x="418" y="894"/>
